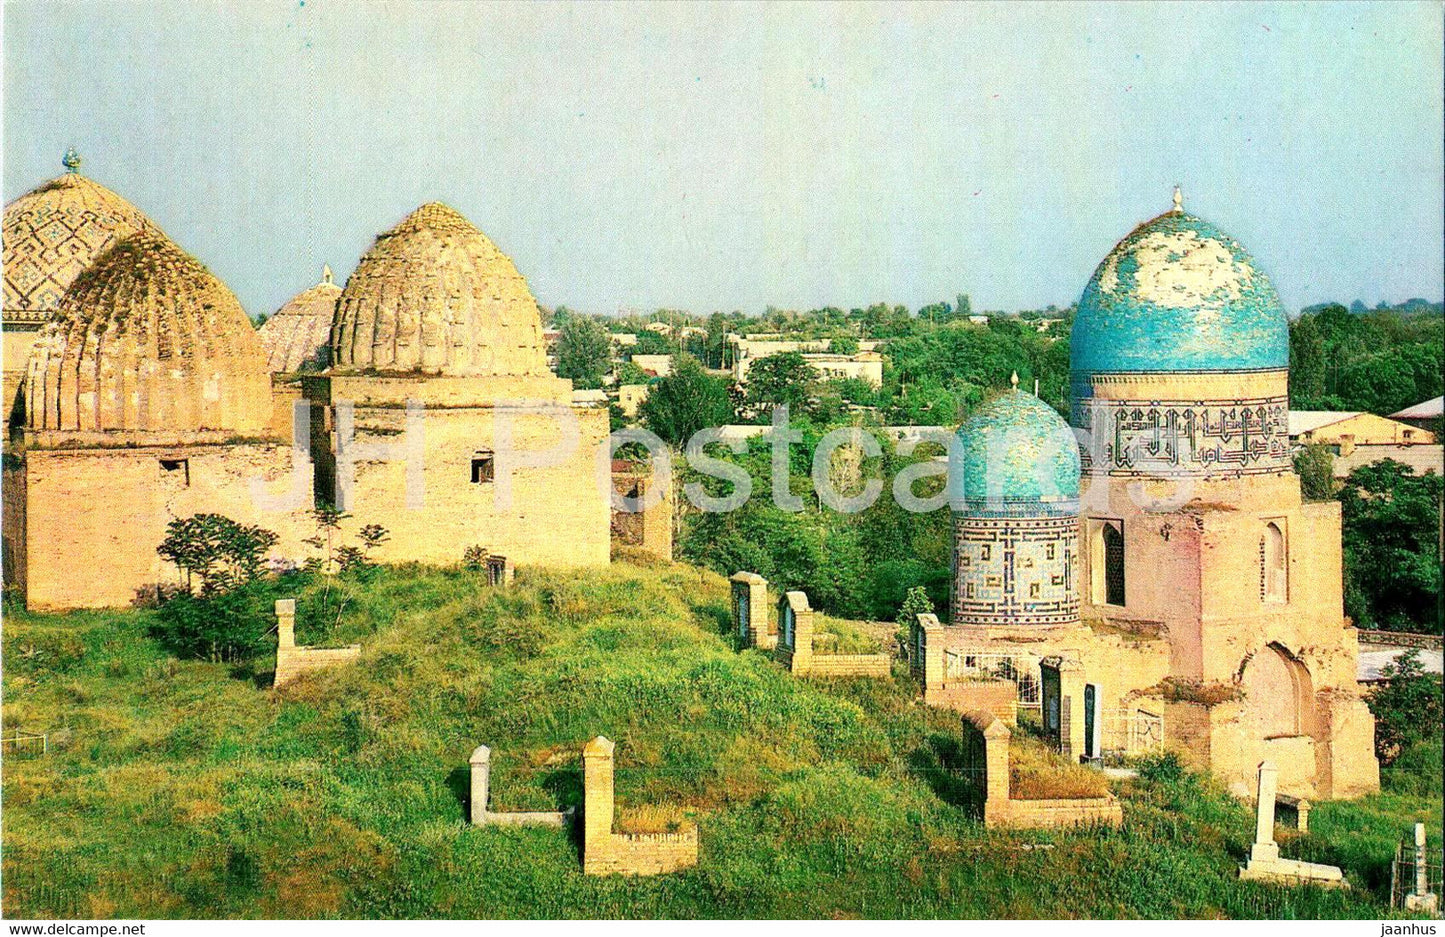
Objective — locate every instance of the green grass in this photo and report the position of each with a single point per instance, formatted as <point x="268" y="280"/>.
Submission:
<point x="190" y="789"/>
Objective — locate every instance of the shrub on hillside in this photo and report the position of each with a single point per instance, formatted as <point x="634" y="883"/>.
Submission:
<point x="224" y="627"/>
<point x="1408" y="707"/>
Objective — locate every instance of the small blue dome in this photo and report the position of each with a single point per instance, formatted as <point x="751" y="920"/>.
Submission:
<point x="1016" y="455"/>
<point x="1178" y="294"/>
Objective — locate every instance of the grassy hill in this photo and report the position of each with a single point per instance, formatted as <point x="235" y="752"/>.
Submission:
<point x="192" y="789"/>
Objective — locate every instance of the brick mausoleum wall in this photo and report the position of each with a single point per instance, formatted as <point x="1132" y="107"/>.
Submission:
<point x="94" y="517"/>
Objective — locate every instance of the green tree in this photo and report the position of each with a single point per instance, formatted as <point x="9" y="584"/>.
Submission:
<point x="1392" y="547"/>
<point x="630" y="373"/>
<point x="1408" y="707"/>
<point x="220" y="552"/>
<point x="1316" y="468"/>
<point x="652" y="343"/>
<point x="843" y="345"/>
<point x="783" y="378"/>
<point x="584" y="352"/>
<point x="687" y="400"/>
<point x="1306" y="362"/>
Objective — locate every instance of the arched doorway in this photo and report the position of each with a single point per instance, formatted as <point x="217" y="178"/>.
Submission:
<point x="1279" y="693"/>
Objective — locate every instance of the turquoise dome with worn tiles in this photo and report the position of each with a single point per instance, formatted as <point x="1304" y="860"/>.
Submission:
<point x="1016" y="455"/>
<point x="1178" y="294"/>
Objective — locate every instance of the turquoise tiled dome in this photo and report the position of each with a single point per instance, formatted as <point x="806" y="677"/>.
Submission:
<point x="1178" y="294"/>
<point x="1017" y="456"/>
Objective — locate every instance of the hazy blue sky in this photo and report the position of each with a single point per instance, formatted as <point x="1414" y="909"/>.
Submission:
<point x="720" y="157"/>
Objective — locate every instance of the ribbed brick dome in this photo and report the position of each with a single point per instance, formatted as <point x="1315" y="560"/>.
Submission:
<point x="298" y="336"/>
<point x="54" y="232"/>
<point x="147" y="339"/>
<point x="435" y="296"/>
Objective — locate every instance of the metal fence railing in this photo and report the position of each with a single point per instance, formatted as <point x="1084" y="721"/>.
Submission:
<point x="24" y="744"/>
<point x="1415" y="874"/>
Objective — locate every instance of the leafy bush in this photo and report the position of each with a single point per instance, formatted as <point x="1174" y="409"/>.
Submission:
<point x="1161" y="767"/>
<point x="915" y="603"/>
<point x="1407" y="706"/>
<point x="220" y="552"/>
<point x="221" y="626"/>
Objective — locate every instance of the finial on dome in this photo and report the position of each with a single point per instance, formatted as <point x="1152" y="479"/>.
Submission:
<point x="1014" y="380"/>
<point x="1178" y="199"/>
<point x="71" y="160"/>
<point x="326" y="273"/>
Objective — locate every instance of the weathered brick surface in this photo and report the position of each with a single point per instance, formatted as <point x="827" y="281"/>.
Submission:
<point x="986" y="759"/>
<point x="605" y="852"/>
<point x="997" y="697"/>
<point x="293" y="661"/>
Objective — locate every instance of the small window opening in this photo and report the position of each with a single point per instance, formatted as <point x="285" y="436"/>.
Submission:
<point x="483" y="467"/>
<point x="181" y="468"/>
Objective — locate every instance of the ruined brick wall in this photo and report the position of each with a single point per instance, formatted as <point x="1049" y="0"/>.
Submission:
<point x="650" y="529"/>
<point x="94" y="517"/>
<point x="557" y="513"/>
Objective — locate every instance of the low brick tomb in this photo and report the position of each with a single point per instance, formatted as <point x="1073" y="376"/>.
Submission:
<point x="605" y="852"/>
<point x="927" y="662"/>
<point x="750" y="611"/>
<point x="795" y="646"/>
<point x="500" y="571"/>
<point x="293" y="661"/>
<point x="1264" y="859"/>
<point x="1301" y="808"/>
<point x="481" y="762"/>
<point x="986" y="764"/>
<point x="1061" y="689"/>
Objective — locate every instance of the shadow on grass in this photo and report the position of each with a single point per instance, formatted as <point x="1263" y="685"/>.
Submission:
<point x="459" y="782"/>
<point x="565" y="785"/>
<point x="938" y="763"/>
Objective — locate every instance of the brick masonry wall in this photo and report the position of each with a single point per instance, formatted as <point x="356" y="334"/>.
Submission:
<point x="1027" y="814"/>
<point x="605" y="852"/>
<point x="998" y="697"/>
<point x="94" y="517"/>
<point x="293" y="662"/>
<point x="851" y="665"/>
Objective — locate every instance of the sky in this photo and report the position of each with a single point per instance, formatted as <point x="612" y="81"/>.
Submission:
<point x="717" y="157"/>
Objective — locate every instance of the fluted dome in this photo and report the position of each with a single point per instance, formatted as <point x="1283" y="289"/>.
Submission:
<point x="298" y="336"/>
<point x="1178" y="294"/>
<point x="1017" y="453"/>
<point x="54" y="232"/>
<point x="435" y="296"/>
<point x="147" y="339"/>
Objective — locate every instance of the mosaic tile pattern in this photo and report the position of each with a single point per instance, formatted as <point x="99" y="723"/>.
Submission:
<point x="1176" y="438"/>
<point x="1017" y="452"/>
<point x="53" y="233"/>
<point x="1178" y="294"/>
<point x="1015" y="570"/>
